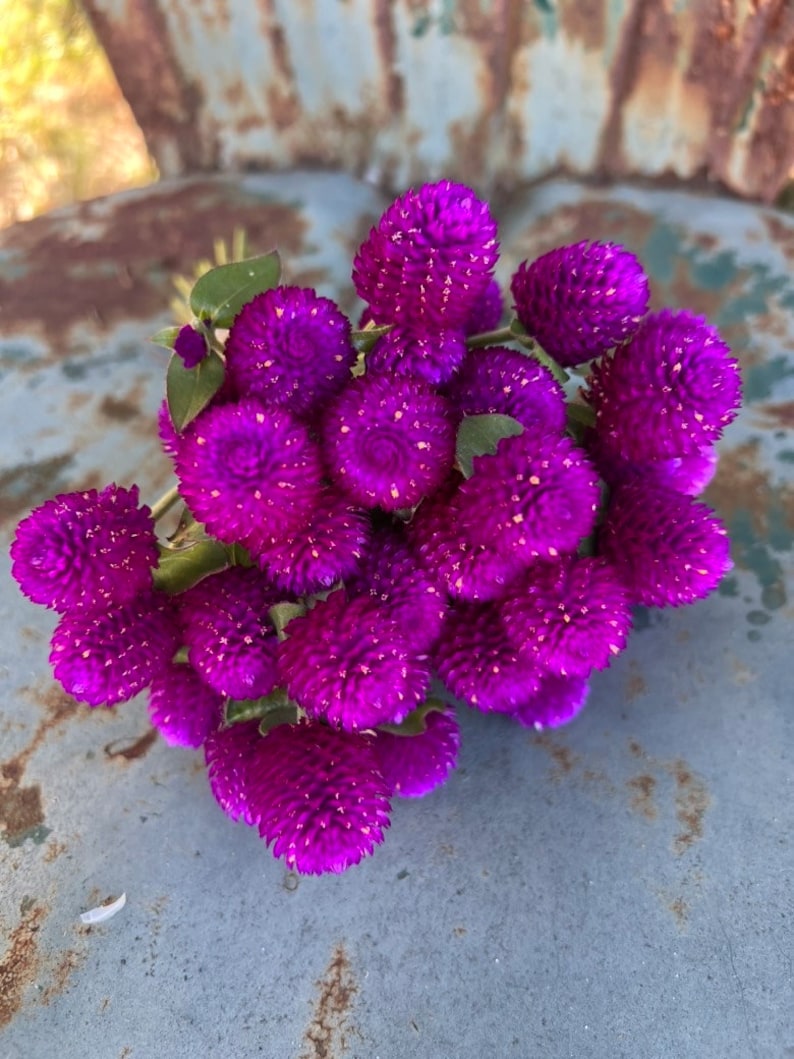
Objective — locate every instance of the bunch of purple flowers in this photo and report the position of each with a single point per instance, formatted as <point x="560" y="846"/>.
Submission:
<point x="368" y="511"/>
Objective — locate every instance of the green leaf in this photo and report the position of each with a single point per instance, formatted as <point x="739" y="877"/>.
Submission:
<point x="416" y="721"/>
<point x="166" y="338"/>
<point x="182" y="567"/>
<point x="222" y="292"/>
<point x="536" y="352"/>
<point x="281" y="614"/>
<point x="364" y="340"/>
<point x="190" y="390"/>
<point x="275" y="708"/>
<point x="479" y="436"/>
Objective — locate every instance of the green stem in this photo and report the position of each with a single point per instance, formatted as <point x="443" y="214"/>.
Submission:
<point x="491" y="338"/>
<point x="165" y="503"/>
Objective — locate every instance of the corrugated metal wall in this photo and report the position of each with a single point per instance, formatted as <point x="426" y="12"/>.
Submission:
<point x="490" y="93"/>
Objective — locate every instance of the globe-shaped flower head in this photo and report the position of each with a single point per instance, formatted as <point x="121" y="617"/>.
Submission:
<point x="85" y="550"/>
<point x="669" y="392"/>
<point x="246" y="469"/>
<point x="389" y="441"/>
<point x="290" y="347"/>
<point x="430" y="258"/>
<point x="578" y="301"/>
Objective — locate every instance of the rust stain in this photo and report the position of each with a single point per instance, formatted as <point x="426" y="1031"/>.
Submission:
<point x="68" y="963"/>
<point x="692" y="801"/>
<point x="156" y="234"/>
<point x="680" y="909"/>
<point x="21" y="811"/>
<point x="585" y="21"/>
<point x="386" y="36"/>
<point x="54" y="850"/>
<point x="779" y="415"/>
<point x="636" y="749"/>
<point x="459" y="932"/>
<point x="635" y="685"/>
<point x="122" y="409"/>
<point x="19" y="965"/>
<point x="642" y="790"/>
<point x="326" y="1036"/>
<point x="132" y="751"/>
<point x="742" y="487"/>
<point x="564" y="758"/>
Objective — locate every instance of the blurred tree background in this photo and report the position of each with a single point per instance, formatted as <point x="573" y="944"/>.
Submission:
<point x="66" y="132"/>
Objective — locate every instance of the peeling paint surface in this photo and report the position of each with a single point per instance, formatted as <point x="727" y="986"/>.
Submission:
<point x="620" y="887"/>
<point x="494" y="94"/>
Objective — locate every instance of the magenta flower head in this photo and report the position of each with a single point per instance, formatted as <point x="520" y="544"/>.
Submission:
<point x="683" y="474"/>
<point x="290" y="347"/>
<point x="536" y="497"/>
<point x="346" y="662"/>
<point x="467" y="571"/>
<point x="247" y="469"/>
<point x="572" y="615"/>
<point x="579" y="301"/>
<point x="390" y="574"/>
<point x="668" y="549"/>
<point x="487" y="312"/>
<point x="229" y="753"/>
<point x="556" y="702"/>
<point x="430" y="258"/>
<point x="319" y="797"/>
<point x="503" y="380"/>
<point x="190" y="346"/>
<point x="327" y="550"/>
<point x="415" y="765"/>
<point x="107" y="656"/>
<point x="671" y="391"/>
<point x="389" y="441"/>
<point x="230" y="639"/>
<point x="85" y="550"/>
<point x="181" y="706"/>
<point x="478" y="662"/>
<point x="432" y="356"/>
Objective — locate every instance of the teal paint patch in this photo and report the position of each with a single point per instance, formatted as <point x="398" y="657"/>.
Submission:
<point x="754" y="635"/>
<point x="661" y="251"/>
<point x="646" y="618"/>
<point x="758" y="617"/>
<point x="774" y="596"/>
<point x="761" y="379"/>
<point x="548" y="18"/>
<point x="729" y="587"/>
<point x="714" y="272"/>
<point x="37" y="835"/>
<point x="421" y="25"/>
<point x="785" y="455"/>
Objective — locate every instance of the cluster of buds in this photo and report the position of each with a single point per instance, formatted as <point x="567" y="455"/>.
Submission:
<point x="371" y="513"/>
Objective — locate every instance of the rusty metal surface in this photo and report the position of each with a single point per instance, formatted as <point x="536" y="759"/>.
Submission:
<point x="619" y="888"/>
<point x="494" y="94"/>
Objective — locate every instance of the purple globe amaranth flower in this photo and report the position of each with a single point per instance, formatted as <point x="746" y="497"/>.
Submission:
<point x="84" y="551"/>
<point x="669" y="392"/>
<point x="247" y="469"/>
<point x="415" y="765"/>
<point x="290" y="347"/>
<point x="668" y="549"/>
<point x="430" y="258"/>
<point x="431" y="356"/>
<point x="572" y="615"/>
<point x="478" y="662"/>
<point x="579" y="301"/>
<point x="487" y="311"/>
<point x="507" y="382"/>
<point x="326" y="551"/>
<point x="389" y="440"/>
<point x="231" y="641"/>
<point x="318" y="796"/>
<point x="390" y="574"/>
<point x="107" y="656"/>
<point x="683" y="474"/>
<point x="229" y="753"/>
<point x="181" y="706"/>
<point x="467" y="571"/>
<point x="556" y="702"/>
<point x="537" y="496"/>
<point x="190" y="346"/>
<point x="346" y="662"/>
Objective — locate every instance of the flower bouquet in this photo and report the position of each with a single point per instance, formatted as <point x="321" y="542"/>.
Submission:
<point x="377" y="524"/>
